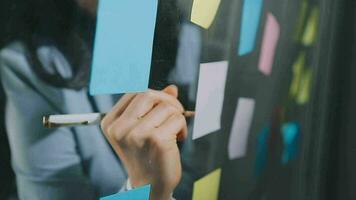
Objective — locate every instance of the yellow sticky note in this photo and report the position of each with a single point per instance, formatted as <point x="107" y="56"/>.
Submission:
<point x="311" y="29"/>
<point x="207" y="188"/>
<point x="204" y="11"/>
<point x="298" y="68"/>
<point x="305" y="87"/>
<point x="301" y="19"/>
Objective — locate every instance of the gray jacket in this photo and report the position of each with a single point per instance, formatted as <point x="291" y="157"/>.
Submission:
<point x="64" y="163"/>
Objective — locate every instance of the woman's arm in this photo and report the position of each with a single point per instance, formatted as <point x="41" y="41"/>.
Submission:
<point x="144" y="129"/>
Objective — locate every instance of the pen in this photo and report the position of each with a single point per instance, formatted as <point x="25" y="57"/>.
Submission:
<point x="57" y="121"/>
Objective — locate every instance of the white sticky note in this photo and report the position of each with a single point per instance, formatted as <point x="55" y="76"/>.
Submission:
<point x="241" y="128"/>
<point x="210" y="98"/>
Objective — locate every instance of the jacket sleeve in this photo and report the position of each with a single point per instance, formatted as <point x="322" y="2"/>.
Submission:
<point x="46" y="162"/>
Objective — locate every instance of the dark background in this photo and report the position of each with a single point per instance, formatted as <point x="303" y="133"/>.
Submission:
<point x="326" y="163"/>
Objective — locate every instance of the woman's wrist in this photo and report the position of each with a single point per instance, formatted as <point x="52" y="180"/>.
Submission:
<point x="160" y="195"/>
<point x="156" y="193"/>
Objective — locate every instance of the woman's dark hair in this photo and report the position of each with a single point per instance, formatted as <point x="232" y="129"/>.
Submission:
<point x="63" y="24"/>
<point x="59" y="23"/>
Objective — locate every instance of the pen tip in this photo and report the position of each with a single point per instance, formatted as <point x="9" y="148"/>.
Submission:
<point x="45" y="121"/>
<point x="189" y="114"/>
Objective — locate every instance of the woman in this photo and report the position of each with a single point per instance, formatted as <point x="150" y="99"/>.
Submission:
<point x="45" y="71"/>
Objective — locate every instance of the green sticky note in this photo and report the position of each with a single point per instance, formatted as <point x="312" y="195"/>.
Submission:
<point x="298" y="68"/>
<point x="301" y="20"/>
<point x="123" y="46"/>
<point x="141" y="193"/>
<point x="311" y="30"/>
<point x="305" y="87"/>
<point x="207" y="188"/>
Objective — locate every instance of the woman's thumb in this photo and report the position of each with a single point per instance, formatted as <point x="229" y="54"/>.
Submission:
<point x="171" y="90"/>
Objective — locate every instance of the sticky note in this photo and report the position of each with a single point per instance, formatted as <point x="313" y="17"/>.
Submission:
<point x="311" y="30"/>
<point x="262" y="150"/>
<point x="290" y="134"/>
<point x="204" y="11"/>
<point x="298" y="68"/>
<point x="207" y="188"/>
<point x="269" y="44"/>
<point x="210" y="98"/>
<point x="123" y="46"/>
<point x="251" y="15"/>
<point x="301" y="20"/>
<point x="305" y="87"/>
<point x="141" y="193"/>
<point x="241" y="128"/>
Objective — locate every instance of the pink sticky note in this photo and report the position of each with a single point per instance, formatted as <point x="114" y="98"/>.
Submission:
<point x="269" y="44"/>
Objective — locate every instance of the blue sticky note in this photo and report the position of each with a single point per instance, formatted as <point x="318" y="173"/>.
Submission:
<point x="251" y="15"/>
<point x="262" y="150"/>
<point x="141" y="193"/>
<point x="290" y="133"/>
<point x="123" y="46"/>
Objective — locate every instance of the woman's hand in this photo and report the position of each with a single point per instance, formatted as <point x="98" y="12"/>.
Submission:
<point x="143" y="130"/>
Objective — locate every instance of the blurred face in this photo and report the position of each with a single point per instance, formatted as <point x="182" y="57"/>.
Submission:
<point x="88" y="5"/>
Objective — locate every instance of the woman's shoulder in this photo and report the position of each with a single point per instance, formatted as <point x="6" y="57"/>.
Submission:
<point x="19" y="79"/>
<point x="47" y="56"/>
<point x="16" y="71"/>
<point x="16" y="48"/>
<point x="13" y="57"/>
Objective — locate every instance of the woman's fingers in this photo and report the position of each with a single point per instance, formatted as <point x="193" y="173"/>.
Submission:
<point x="144" y="102"/>
<point x="164" y="121"/>
<point x="121" y="127"/>
<point x="175" y="126"/>
<point x="154" y="119"/>
<point x="121" y="106"/>
<point x="136" y="116"/>
<point x="143" y="130"/>
<point x="138" y="107"/>
<point x="162" y="138"/>
<point x="117" y="110"/>
<point x="171" y="90"/>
